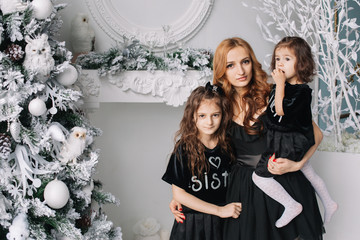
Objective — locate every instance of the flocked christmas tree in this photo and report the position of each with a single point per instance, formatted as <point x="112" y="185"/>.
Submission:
<point x="46" y="157"/>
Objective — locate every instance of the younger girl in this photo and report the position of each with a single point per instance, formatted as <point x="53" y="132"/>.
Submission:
<point x="290" y="130"/>
<point x="199" y="166"/>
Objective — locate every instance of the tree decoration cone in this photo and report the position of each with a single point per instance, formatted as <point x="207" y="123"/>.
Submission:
<point x="15" y="130"/>
<point x="85" y="221"/>
<point x="14" y="52"/>
<point x="5" y="146"/>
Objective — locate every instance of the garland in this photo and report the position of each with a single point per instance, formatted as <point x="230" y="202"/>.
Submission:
<point x="135" y="56"/>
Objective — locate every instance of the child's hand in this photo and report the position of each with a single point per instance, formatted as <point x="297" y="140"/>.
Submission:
<point x="176" y="209"/>
<point x="230" y="210"/>
<point x="279" y="76"/>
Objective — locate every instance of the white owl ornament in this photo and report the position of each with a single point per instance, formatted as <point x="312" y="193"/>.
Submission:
<point x="38" y="58"/>
<point x="82" y="35"/>
<point x="73" y="146"/>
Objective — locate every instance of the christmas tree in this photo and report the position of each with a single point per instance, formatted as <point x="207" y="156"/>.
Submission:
<point x="47" y="160"/>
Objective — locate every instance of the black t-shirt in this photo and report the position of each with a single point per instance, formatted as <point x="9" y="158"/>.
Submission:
<point x="212" y="186"/>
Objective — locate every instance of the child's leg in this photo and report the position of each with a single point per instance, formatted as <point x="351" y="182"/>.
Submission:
<point x="274" y="190"/>
<point x="329" y="205"/>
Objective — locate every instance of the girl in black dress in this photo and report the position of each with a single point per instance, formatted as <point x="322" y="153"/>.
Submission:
<point x="199" y="166"/>
<point x="289" y="128"/>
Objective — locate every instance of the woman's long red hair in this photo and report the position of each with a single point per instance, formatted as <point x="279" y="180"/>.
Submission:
<point x="256" y="93"/>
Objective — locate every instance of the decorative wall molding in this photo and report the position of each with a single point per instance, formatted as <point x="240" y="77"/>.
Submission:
<point x="157" y="38"/>
<point x="172" y="88"/>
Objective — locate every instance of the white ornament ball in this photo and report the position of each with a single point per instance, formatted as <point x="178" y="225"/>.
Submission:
<point x="56" y="194"/>
<point x="68" y="76"/>
<point x="53" y="110"/>
<point x="56" y="133"/>
<point x="42" y="8"/>
<point x="37" y="107"/>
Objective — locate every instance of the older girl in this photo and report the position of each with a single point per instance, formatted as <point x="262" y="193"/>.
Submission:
<point x="199" y="166"/>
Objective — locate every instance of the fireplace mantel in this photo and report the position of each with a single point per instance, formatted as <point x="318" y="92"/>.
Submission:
<point x="171" y="88"/>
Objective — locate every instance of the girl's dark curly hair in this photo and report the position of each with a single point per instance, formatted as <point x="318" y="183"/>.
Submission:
<point x="305" y="64"/>
<point x="187" y="136"/>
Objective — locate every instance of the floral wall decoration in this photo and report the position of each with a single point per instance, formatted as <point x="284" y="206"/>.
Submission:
<point x="328" y="27"/>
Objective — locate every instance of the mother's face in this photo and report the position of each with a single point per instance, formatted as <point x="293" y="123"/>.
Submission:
<point x="238" y="68"/>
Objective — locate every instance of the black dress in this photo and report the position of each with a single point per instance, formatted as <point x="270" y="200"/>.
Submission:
<point x="210" y="188"/>
<point x="260" y="212"/>
<point x="291" y="135"/>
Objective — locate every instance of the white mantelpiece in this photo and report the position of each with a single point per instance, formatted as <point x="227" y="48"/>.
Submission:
<point x="172" y="88"/>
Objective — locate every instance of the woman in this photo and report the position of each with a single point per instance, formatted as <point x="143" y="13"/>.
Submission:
<point x="238" y="72"/>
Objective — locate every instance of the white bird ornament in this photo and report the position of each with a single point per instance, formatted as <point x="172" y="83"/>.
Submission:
<point x="82" y="35"/>
<point x="74" y="145"/>
<point x="38" y="58"/>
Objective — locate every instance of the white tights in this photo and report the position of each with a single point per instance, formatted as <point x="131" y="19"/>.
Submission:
<point x="292" y="208"/>
<point x="329" y="205"/>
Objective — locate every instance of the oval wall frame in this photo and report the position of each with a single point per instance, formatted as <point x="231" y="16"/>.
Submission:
<point x="159" y="38"/>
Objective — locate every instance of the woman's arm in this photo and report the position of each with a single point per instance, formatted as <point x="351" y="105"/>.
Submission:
<point x="185" y="198"/>
<point x="283" y="165"/>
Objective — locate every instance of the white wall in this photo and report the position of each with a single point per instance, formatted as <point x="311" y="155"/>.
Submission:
<point x="138" y="137"/>
<point x="340" y="173"/>
<point x="135" y="146"/>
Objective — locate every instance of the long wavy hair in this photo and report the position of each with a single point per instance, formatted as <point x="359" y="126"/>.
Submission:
<point x="305" y="64"/>
<point x="187" y="136"/>
<point x="255" y="93"/>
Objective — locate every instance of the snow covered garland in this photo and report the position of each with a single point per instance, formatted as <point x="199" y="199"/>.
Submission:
<point x="134" y="56"/>
<point x="46" y="155"/>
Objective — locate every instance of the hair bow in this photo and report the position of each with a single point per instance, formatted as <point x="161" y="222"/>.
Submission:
<point x="214" y="88"/>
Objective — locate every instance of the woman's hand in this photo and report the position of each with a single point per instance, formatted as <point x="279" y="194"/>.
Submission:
<point x="279" y="166"/>
<point x="176" y="209"/>
<point x="230" y="210"/>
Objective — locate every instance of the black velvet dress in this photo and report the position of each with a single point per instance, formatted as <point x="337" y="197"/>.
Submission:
<point x="210" y="188"/>
<point x="259" y="211"/>
<point x="291" y="135"/>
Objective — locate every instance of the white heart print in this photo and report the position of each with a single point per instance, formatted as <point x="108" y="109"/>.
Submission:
<point x="215" y="161"/>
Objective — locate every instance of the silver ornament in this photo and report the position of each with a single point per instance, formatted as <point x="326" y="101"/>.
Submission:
<point x="15" y="130"/>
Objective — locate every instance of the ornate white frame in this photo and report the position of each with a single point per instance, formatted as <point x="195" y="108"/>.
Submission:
<point x="158" y="39"/>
